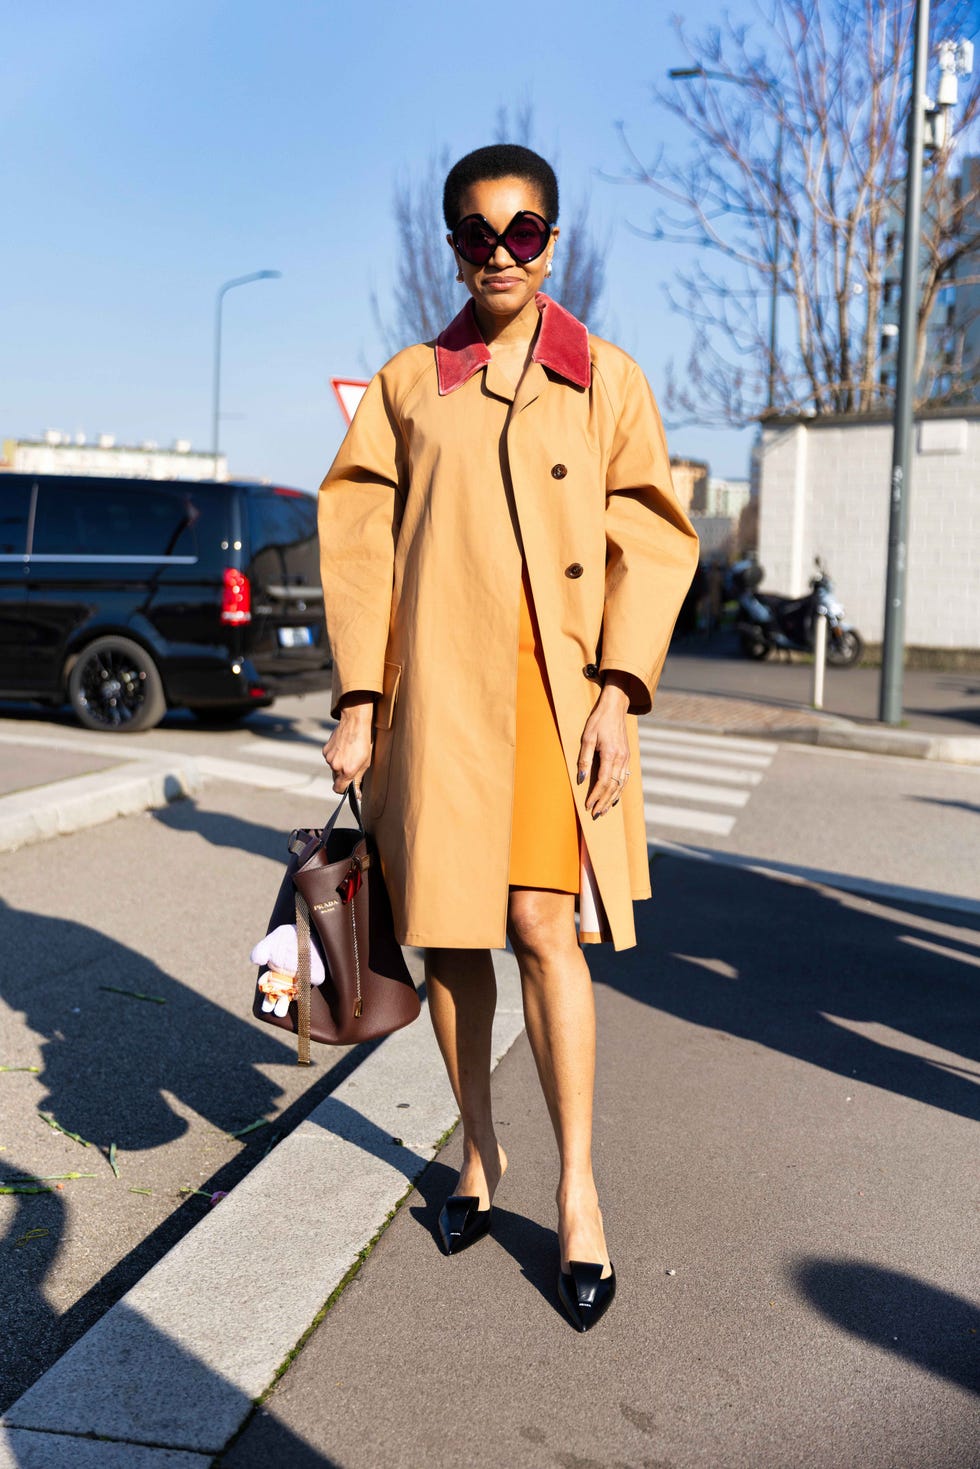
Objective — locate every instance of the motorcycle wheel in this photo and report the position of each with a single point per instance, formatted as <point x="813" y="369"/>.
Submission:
<point x="844" y="648"/>
<point x="754" y="647"/>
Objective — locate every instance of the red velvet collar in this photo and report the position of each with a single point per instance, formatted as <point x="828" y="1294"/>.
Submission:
<point x="562" y="345"/>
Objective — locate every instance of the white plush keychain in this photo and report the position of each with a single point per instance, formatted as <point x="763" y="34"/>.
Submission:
<point x="278" y="952"/>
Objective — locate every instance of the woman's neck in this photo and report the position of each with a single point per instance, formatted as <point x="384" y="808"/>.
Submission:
<point x="509" y="333"/>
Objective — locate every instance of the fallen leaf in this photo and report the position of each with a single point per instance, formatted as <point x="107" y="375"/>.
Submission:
<point x="112" y="1159"/>
<point x="63" y="1130"/>
<point x="261" y="1122"/>
<point x="133" y="994"/>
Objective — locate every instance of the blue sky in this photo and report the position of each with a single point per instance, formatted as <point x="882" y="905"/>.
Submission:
<point x="152" y="151"/>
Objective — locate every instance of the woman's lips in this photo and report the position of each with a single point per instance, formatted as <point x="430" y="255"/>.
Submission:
<point x="501" y="283"/>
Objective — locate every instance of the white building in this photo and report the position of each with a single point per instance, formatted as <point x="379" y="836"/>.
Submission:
<point x="727" y="497"/>
<point x="825" y="491"/>
<point x="59" y="453"/>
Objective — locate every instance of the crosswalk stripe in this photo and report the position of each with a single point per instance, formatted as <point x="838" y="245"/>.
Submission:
<point x="304" y="754"/>
<point x="658" y="814"/>
<point x="694" y="737"/>
<point x="737" y="757"/>
<point x="696" y="771"/>
<point x="687" y="790"/>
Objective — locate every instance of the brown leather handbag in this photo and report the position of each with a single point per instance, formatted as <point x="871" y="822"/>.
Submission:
<point x="334" y="892"/>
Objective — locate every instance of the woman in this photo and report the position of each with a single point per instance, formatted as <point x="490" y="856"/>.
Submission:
<point x="503" y="559"/>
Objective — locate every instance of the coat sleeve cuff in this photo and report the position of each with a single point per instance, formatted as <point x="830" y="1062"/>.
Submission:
<point x="357" y="681"/>
<point x="641" y="701"/>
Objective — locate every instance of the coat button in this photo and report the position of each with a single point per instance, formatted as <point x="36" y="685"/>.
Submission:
<point x="591" y="670"/>
<point x="558" y="471"/>
<point x="574" y="570"/>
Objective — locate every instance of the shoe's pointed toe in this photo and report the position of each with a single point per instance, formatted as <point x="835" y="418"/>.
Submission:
<point x="462" y="1222"/>
<point x="585" y="1295"/>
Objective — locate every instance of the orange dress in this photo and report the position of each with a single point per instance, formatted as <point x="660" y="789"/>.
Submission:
<point x="544" y="848"/>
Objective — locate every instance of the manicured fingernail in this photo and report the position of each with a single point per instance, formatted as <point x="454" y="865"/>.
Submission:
<point x="581" y="776"/>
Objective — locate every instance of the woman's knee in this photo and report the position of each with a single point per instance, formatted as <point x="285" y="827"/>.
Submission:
<point x="541" y="925"/>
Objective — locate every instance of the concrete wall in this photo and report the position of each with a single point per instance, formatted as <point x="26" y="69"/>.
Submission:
<point x="825" y="491"/>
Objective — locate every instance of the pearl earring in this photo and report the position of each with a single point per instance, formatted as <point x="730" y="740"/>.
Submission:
<point x="459" y="275"/>
<point x="548" y="271"/>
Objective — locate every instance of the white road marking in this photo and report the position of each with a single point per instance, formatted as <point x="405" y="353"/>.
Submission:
<point x="675" y="748"/>
<point x="693" y="737"/>
<point x="687" y="790"/>
<point x="696" y="770"/>
<point x="700" y="771"/>
<point x="303" y="753"/>
<point x="680" y="816"/>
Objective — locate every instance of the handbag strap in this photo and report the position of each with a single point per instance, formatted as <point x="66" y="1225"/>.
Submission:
<point x="302" y="981"/>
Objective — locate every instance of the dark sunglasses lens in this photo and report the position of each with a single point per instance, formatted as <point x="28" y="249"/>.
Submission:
<point x="526" y="237"/>
<point x="474" y="241"/>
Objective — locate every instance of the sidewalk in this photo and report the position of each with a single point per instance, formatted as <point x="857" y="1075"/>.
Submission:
<point x="785" y="1181"/>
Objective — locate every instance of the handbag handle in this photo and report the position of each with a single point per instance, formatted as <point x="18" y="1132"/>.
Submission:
<point x="299" y="839"/>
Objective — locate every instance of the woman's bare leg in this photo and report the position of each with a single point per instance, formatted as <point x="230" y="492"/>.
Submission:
<point x="462" y="996"/>
<point x="560" y="1016"/>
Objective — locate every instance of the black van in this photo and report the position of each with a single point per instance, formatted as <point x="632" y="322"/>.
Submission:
<point x="132" y="596"/>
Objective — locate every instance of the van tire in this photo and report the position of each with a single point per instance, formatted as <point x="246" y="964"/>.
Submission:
<point x="115" y="687"/>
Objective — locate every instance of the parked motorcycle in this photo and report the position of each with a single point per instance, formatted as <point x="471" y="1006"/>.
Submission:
<point x="767" y="621"/>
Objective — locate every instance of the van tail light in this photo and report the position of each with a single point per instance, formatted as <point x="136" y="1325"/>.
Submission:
<point x="236" y="600"/>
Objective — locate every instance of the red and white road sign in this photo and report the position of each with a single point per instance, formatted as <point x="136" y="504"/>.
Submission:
<point x="349" y="391"/>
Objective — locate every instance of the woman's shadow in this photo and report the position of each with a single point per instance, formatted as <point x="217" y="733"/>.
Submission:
<point x="109" y="1058"/>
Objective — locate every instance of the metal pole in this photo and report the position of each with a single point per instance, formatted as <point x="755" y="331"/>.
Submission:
<point x="819" y="657"/>
<point x="241" y="280"/>
<point x="893" y="644"/>
<point x="216" y="395"/>
<point x="774" y="298"/>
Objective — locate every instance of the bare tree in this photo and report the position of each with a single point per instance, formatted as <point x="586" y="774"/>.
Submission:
<point x="428" y="296"/>
<point x="797" y="171"/>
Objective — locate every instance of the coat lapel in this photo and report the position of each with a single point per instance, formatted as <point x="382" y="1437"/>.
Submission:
<point x="562" y="346"/>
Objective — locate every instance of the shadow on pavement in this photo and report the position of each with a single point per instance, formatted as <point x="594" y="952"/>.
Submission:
<point x="137" y="1385"/>
<point x="28" y="1248"/>
<point x="804" y="970"/>
<point x="109" y="1063"/>
<point x="531" y="1245"/>
<point x="928" y="1327"/>
<point x="222" y="830"/>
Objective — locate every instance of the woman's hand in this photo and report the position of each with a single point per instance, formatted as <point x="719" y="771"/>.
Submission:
<point x="605" y="750"/>
<point x="348" y="750"/>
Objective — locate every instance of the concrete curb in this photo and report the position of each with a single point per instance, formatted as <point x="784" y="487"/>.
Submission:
<point x="89" y="800"/>
<point x="170" y="1372"/>
<point x="842" y="734"/>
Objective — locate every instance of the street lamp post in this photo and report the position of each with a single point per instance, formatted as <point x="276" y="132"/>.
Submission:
<point x="893" y="642"/>
<point x="685" y="73"/>
<point x="241" y="280"/>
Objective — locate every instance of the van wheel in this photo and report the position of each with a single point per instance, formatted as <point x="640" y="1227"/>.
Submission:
<point x="115" y="686"/>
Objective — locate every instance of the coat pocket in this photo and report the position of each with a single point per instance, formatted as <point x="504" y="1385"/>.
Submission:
<point x="384" y="718"/>
<point x="384" y="709"/>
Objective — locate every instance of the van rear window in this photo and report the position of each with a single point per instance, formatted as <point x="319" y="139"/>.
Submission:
<point x="15" y="503"/>
<point x="280" y="520"/>
<point x="136" y="518"/>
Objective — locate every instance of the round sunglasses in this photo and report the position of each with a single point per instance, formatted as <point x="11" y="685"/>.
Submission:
<point x="524" y="239"/>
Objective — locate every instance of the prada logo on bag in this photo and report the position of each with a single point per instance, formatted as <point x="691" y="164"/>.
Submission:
<point x="325" y="907"/>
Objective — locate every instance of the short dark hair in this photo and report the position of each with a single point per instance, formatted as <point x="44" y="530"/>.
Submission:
<point x="500" y="161"/>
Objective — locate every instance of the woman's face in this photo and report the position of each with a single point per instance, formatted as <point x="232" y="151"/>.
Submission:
<point x="503" y="286"/>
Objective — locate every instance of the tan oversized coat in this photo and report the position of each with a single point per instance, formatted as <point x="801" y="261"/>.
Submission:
<point x="444" y="476"/>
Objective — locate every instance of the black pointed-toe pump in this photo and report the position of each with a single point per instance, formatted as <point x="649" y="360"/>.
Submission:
<point x="584" y="1294"/>
<point x="462" y="1222"/>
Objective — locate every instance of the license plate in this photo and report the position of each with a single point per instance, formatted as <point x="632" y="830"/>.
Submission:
<point x="295" y="637"/>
